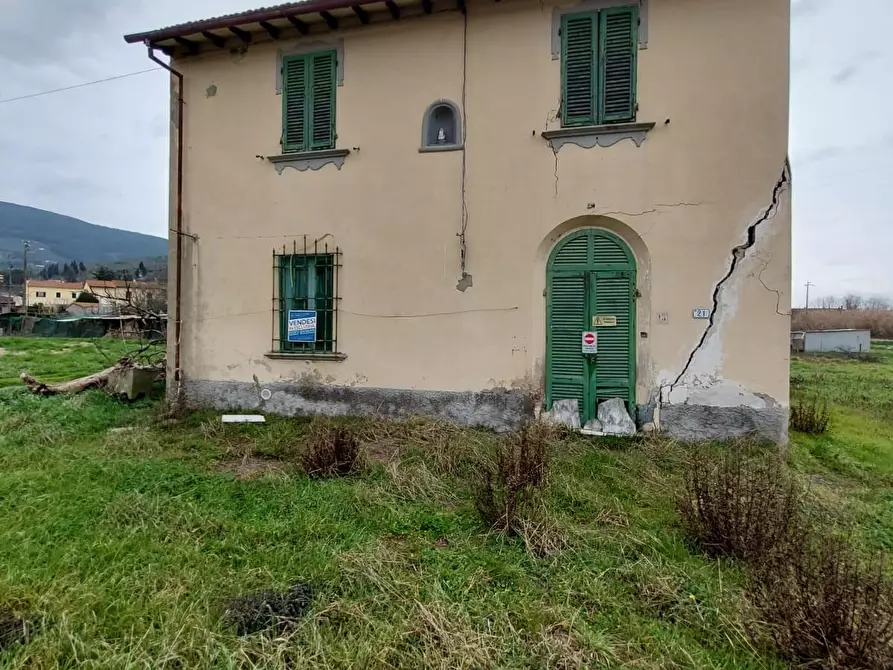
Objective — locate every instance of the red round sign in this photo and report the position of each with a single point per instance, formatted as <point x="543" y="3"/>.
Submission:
<point x="589" y="338"/>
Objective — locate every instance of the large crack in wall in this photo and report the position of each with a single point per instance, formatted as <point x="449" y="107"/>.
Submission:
<point x="738" y="254"/>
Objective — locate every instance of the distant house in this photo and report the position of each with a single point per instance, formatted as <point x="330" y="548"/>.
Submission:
<point x="52" y="293"/>
<point x="88" y="309"/>
<point x="841" y="340"/>
<point x="139" y="294"/>
<point x="9" y="303"/>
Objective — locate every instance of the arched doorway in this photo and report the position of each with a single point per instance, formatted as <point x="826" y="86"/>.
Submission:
<point x="591" y="286"/>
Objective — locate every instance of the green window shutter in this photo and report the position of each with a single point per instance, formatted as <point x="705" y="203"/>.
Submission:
<point x="322" y="86"/>
<point x="294" y="103"/>
<point x="578" y="68"/>
<point x="566" y="377"/>
<point x="619" y="27"/>
<point x="613" y="371"/>
<point x="325" y="303"/>
<point x="292" y="294"/>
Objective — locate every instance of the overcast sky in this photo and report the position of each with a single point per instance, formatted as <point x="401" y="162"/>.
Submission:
<point x="100" y="153"/>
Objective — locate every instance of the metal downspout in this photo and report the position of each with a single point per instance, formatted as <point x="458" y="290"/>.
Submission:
<point x="178" y="231"/>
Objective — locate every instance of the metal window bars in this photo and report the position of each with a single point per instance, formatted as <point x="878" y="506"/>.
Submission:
<point x="306" y="278"/>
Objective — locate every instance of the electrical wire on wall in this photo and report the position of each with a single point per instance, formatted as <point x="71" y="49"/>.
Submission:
<point x="464" y="278"/>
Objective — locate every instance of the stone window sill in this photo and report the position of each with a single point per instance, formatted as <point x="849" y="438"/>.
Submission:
<point x="305" y="355"/>
<point x="605" y="135"/>
<point x="309" y="160"/>
<point x="436" y="148"/>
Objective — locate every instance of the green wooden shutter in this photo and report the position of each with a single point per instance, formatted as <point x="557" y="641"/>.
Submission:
<point x="294" y="104"/>
<point x="566" y="377"/>
<point x="322" y="86"/>
<point x="325" y="303"/>
<point x="578" y="73"/>
<point x="293" y="294"/>
<point x="614" y="367"/>
<point x="618" y="32"/>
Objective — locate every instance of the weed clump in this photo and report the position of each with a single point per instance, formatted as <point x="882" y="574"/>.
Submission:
<point x="269" y="610"/>
<point x="330" y="451"/>
<point x="810" y="416"/>
<point x="826" y="608"/>
<point x="506" y="491"/>
<point x="739" y="506"/>
<point x="13" y="628"/>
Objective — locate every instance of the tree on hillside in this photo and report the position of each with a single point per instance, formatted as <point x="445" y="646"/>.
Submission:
<point x="141" y="270"/>
<point x="82" y="267"/>
<point x="49" y="271"/>
<point x="16" y="276"/>
<point x="103" y="273"/>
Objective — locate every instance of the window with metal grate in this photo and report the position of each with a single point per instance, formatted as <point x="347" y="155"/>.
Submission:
<point x="305" y="300"/>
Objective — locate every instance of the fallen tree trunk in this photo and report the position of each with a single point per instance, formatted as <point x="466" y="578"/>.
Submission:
<point x="123" y="378"/>
<point x="96" y="380"/>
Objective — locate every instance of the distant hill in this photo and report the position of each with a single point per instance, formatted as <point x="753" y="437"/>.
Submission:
<point x="64" y="238"/>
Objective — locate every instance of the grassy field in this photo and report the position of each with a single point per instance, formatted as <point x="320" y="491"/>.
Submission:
<point x="122" y="537"/>
<point x="54" y="359"/>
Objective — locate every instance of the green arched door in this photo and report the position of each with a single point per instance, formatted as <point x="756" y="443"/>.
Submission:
<point x="591" y="285"/>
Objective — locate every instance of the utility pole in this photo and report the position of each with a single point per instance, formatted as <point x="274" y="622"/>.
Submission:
<point x="26" y="245"/>
<point x="808" y="284"/>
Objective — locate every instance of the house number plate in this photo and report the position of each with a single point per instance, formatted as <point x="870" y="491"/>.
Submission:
<point x="700" y="313"/>
<point x="604" y="321"/>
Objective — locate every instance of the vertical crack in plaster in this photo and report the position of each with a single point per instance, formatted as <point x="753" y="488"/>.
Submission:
<point x="738" y="254"/>
<point x="777" y="293"/>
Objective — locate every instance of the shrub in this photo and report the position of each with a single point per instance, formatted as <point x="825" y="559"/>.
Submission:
<point x="507" y="489"/>
<point x="83" y="296"/>
<point x="738" y="505"/>
<point x="330" y="451"/>
<point x="826" y="609"/>
<point x="810" y="416"/>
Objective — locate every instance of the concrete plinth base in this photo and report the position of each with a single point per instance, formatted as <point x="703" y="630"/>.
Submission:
<point x="701" y="423"/>
<point x="497" y="409"/>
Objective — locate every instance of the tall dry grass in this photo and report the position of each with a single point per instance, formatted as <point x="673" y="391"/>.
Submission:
<point x="878" y="321"/>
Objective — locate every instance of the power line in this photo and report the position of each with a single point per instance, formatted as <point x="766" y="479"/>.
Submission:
<point x="88" y="83"/>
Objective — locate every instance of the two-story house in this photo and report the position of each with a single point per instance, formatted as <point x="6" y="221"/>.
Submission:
<point x="51" y="294"/>
<point x="430" y="204"/>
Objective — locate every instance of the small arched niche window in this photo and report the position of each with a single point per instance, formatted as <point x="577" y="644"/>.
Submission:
<point x="441" y="127"/>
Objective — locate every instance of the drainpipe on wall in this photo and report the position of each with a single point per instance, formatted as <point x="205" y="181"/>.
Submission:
<point x="178" y="231"/>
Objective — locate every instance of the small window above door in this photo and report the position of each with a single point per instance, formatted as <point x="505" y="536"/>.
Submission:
<point x="441" y="127"/>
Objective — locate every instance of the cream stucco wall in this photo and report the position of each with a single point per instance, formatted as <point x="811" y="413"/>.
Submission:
<point x="50" y="290"/>
<point x="714" y="78"/>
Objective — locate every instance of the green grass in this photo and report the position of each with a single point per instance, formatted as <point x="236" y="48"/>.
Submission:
<point x="850" y="468"/>
<point x="126" y="536"/>
<point x="54" y="359"/>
